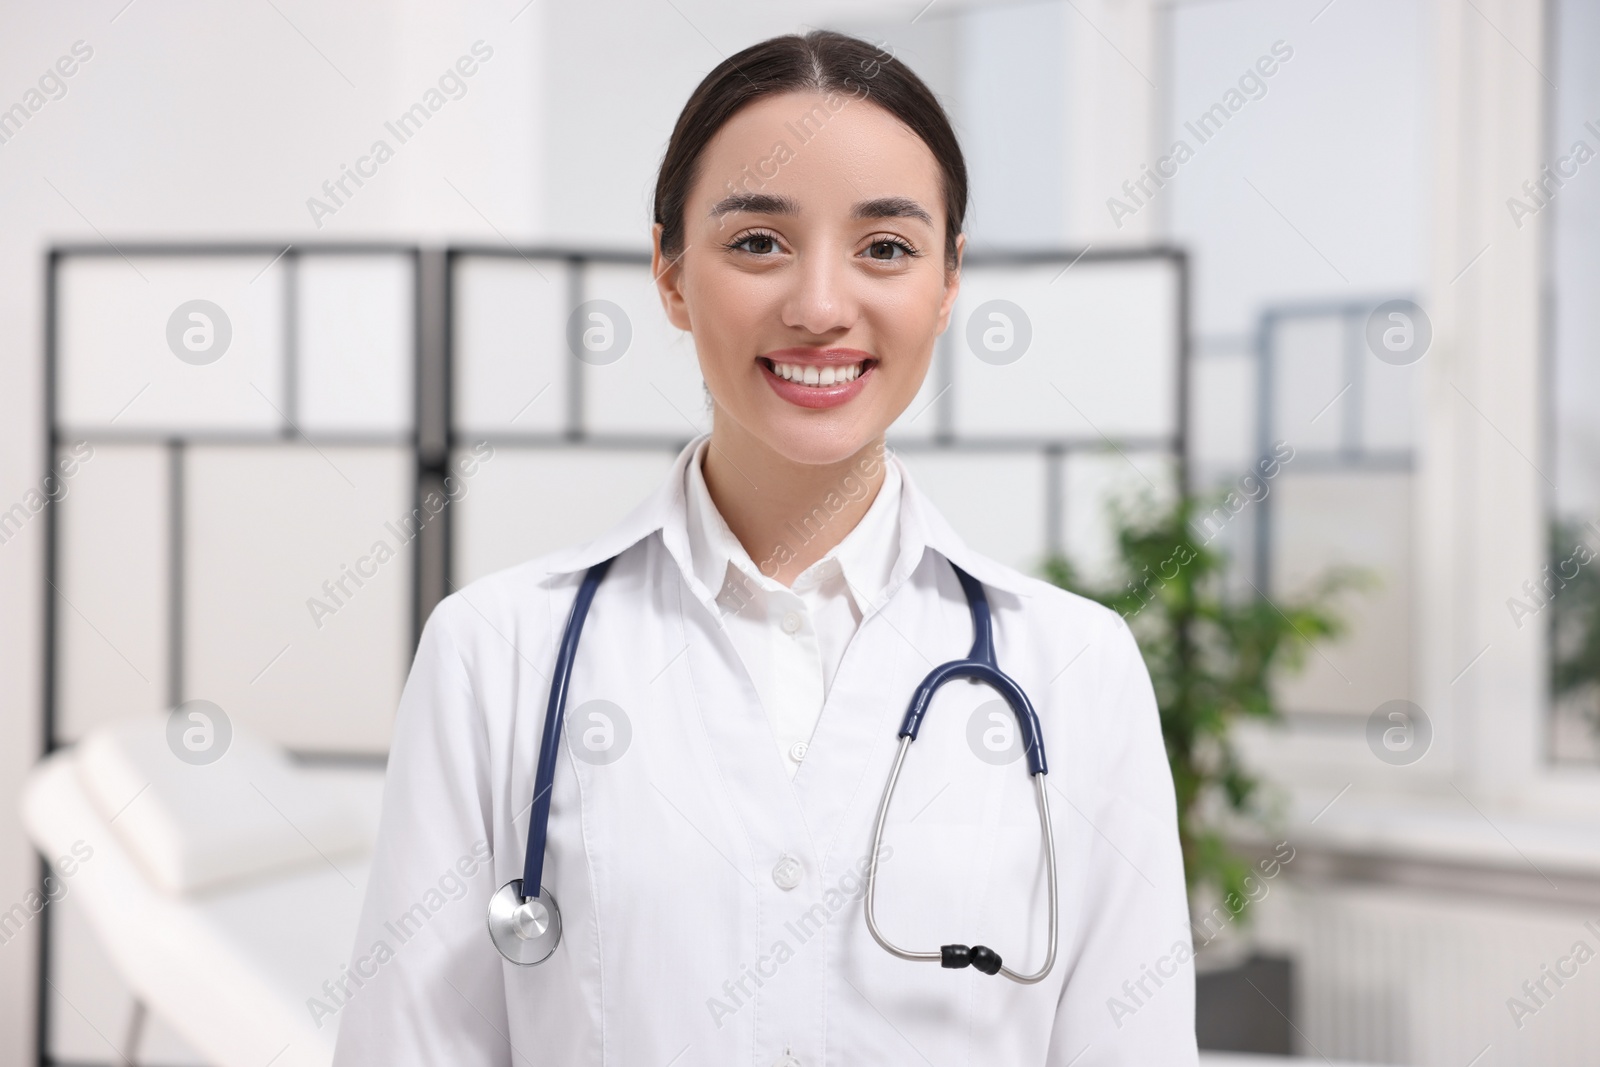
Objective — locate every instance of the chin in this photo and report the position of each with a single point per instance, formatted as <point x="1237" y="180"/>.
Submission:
<point x="818" y="440"/>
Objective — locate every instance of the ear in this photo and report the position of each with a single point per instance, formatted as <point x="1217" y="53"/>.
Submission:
<point x="668" y="275"/>
<point x="952" y="285"/>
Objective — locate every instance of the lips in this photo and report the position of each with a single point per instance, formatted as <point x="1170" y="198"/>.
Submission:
<point x="817" y="378"/>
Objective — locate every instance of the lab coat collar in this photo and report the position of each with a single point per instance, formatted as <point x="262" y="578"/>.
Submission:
<point x="922" y="526"/>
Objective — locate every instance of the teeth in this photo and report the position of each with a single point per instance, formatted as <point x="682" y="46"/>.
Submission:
<point x="832" y="374"/>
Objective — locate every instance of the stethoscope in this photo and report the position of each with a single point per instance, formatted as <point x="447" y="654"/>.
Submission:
<point x="526" y="928"/>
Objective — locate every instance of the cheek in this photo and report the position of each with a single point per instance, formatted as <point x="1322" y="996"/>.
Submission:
<point x="905" y="326"/>
<point x="732" y="326"/>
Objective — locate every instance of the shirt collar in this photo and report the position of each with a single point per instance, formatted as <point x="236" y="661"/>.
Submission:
<point x="865" y="556"/>
<point x="922" y="526"/>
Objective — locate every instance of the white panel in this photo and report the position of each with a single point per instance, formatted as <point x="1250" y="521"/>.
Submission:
<point x="524" y="503"/>
<point x="1309" y="396"/>
<point x="116" y="361"/>
<point x="511" y="360"/>
<point x="266" y="527"/>
<point x="1222" y="407"/>
<point x="920" y="420"/>
<point x="1321" y="519"/>
<point x="1388" y="405"/>
<point x="356" y="359"/>
<point x="995" y="500"/>
<point x="1102" y="358"/>
<point x="655" y="386"/>
<point x="1093" y="483"/>
<point x="111" y="614"/>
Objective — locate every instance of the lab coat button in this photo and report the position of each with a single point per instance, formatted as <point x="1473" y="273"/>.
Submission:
<point x="786" y="873"/>
<point x="797" y="751"/>
<point x="791" y="623"/>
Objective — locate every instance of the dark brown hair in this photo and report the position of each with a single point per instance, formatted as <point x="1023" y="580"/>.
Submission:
<point x="824" y="62"/>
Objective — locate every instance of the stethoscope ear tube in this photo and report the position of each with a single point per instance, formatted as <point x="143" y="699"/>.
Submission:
<point x="980" y="666"/>
<point x="990" y="675"/>
<point x="983" y="958"/>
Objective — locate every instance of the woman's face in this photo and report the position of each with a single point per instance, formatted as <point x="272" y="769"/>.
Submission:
<point x="812" y="259"/>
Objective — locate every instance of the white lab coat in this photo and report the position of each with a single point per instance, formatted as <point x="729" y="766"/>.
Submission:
<point x="669" y="851"/>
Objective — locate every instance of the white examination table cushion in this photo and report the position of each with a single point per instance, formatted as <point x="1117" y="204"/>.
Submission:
<point x="192" y="827"/>
<point x="230" y="969"/>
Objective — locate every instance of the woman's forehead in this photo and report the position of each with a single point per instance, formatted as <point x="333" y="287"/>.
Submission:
<point x="828" y="150"/>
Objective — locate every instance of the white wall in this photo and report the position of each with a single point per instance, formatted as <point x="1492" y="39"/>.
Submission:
<point x="1336" y="149"/>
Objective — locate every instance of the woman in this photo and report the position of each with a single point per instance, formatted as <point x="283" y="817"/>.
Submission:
<point x="743" y="670"/>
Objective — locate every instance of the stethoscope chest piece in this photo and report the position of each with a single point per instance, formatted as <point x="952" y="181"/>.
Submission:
<point x="526" y="930"/>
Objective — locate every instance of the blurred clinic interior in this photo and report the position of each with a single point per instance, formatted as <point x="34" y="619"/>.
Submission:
<point x="1301" y="291"/>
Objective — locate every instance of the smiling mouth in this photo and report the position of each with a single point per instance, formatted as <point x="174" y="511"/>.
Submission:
<point x="819" y="375"/>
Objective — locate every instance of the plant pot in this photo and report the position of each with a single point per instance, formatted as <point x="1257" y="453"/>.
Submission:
<point x="1246" y="1007"/>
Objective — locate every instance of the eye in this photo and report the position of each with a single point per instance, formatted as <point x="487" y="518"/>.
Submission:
<point x="882" y="248"/>
<point x="765" y="243"/>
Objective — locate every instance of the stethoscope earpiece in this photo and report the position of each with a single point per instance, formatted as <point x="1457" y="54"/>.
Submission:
<point x="980" y="957"/>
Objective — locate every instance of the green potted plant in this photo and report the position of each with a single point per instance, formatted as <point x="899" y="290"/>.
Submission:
<point x="1212" y="660"/>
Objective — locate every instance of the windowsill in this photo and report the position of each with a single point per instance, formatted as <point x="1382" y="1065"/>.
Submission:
<point x="1365" y="820"/>
<point x="1414" y="828"/>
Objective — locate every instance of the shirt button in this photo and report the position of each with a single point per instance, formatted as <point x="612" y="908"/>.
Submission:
<point x="797" y="751"/>
<point x="786" y="873"/>
<point x="791" y="623"/>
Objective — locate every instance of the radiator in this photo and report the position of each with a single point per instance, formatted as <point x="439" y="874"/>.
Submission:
<point x="1424" y="978"/>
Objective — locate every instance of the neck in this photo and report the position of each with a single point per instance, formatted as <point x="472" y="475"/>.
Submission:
<point x="787" y="515"/>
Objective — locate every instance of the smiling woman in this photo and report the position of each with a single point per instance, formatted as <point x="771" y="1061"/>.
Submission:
<point x="719" y="783"/>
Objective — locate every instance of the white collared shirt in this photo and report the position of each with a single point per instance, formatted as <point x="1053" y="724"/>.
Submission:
<point x="791" y="638"/>
<point x="711" y="907"/>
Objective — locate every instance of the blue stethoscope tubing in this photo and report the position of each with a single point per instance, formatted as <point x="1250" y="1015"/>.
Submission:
<point x="526" y="927"/>
<point x="545" y="776"/>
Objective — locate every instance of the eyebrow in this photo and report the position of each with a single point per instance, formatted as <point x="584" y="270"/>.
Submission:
<point x="884" y="207"/>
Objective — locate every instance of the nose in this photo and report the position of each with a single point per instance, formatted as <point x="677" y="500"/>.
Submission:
<point x="821" y="300"/>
